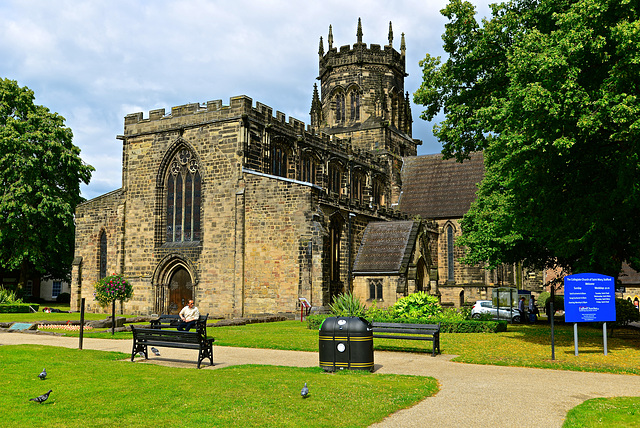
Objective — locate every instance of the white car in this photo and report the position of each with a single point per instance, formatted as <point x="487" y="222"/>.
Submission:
<point x="486" y="307"/>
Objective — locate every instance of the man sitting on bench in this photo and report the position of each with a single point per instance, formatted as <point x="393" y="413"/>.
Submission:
<point x="189" y="316"/>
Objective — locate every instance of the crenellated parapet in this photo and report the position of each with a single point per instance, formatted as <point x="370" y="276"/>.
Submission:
<point x="359" y="54"/>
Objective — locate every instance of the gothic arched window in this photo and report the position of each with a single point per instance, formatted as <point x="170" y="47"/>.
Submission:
<point x="357" y="187"/>
<point x="278" y="161"/>
<point x="340" y="108"/>
<point x="450" y="259"/>
<point x="355" y="105"/>
<point x="184" y="188"/>
<point x="378" y="192"/>
<point x="307" y="169"/>
<point x="102" y="256"/>
<point x="335" y="179"/>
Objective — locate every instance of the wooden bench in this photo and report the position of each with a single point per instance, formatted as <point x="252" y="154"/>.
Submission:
<point x="144" y="337"/>
<point x="387" y="330"/>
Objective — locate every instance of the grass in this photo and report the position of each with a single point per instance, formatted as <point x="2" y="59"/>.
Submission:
<point x="522" y="345"/>
<point x="614" y="412"/>
<point x="100" y="389"/>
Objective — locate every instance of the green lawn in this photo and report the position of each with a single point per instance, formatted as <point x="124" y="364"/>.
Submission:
<point x="103" y="389"/>
<point x="520" y="345"/>
<point x="617" y="412"/>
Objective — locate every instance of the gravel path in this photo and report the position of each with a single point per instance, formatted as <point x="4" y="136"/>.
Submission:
<point x="470" y="395"/>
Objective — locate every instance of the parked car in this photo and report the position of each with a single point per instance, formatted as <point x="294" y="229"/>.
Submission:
<point x="486" y="307"/>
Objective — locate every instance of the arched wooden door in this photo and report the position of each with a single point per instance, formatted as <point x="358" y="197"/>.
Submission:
<point x="180" y="290"/>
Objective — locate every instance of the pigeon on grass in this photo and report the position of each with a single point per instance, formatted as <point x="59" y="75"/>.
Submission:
<point x="155" y="351"/>
<point x="41" y="398"/>
<point x="43" y="374"/>
<point x="305" y="391"/>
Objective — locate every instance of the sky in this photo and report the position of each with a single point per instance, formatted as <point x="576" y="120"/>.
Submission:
<point x="94" y="62"/>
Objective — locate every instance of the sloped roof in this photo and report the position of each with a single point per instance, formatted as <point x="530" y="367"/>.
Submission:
<point x="436" y="188"/>
<point x="628" y="276"/>
<point x="386" y="247"/>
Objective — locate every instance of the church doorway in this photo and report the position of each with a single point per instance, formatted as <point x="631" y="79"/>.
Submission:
<point x="180" y="290"/>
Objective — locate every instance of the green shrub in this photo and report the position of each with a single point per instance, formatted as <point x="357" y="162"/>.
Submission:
<point x="347" y="305"/>
<point x="63" y="298"/>
<point x="626" y="312"/>
<point x="17" y="308"/>
<point x="417" y="305"/>
<point x="473" y="326"/>
<point x="315" y="321"/>
<point x="542" y="298"/>
<point x="558" y="304"/>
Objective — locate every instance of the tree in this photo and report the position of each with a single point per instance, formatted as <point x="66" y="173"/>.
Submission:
<point x="549" y="90"/>
<point x="40" y="175"/>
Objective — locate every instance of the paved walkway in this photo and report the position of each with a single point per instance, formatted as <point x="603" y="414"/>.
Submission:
<point x="470" y="395"/>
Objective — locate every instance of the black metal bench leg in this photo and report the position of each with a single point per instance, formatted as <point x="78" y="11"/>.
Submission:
<point x="137" y="347"/>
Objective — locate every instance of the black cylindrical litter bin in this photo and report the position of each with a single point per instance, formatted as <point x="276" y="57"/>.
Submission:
<point x="346" y="343"/>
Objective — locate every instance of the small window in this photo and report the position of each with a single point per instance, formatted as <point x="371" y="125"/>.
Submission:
<point x="340" y="108"/>
<point x="28" y="289"/>
<point x="486" y="304"/>
<point x="55" y="290"/>
<point x="355" y="106"/>
<point x="375" y="289"/>
<point x="307" y="169"/>
<point x="335" y="179"/>
<point x="279" y="161"/>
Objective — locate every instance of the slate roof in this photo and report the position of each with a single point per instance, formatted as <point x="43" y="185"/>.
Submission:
<point x="435" y="188"/>
<point x="628" y="276"/>
<point x="386" y="247"/>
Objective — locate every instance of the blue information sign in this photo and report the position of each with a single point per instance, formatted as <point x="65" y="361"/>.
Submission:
<point x="589" y="297"/>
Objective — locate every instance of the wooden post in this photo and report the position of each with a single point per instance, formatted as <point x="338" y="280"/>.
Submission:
<point x="81" y="322"/>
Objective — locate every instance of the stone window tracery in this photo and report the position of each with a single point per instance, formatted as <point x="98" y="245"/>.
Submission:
<point x="184" y="194"/>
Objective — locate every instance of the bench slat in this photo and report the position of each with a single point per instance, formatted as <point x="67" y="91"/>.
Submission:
<point x="387" y="336"/>
<point x="430" y="332"/>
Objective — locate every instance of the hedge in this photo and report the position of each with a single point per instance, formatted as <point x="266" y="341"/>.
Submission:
<point x="18" y="308"/>
<point x="468" y="326"/>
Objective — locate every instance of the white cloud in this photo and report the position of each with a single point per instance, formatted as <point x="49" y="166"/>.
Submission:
<point x="95" y="62"/>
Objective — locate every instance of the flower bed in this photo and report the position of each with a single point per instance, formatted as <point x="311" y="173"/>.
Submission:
<point x="67" y="327"/>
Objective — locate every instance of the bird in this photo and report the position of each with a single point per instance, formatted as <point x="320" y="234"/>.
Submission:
<point x="141" y="354"/>
<point x="43" y="374"/>
<point x="155" y="351"/>
<point x="305" y="391"/>
<point x="42" y="398"/>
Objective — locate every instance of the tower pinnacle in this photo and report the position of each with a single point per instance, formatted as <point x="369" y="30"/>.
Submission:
<point x="359" y="32"/>
<point x="390" y="35"/>
<point x="330" y="38"/>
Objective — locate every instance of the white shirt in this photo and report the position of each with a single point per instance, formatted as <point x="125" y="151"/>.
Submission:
<point x="190" y="314"/>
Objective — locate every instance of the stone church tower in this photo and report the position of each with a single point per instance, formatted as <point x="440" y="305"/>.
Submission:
<point x="363" y="99"/>
<point x="246" y="212"/>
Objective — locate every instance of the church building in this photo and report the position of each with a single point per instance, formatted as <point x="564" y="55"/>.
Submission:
<point x="247" y="212"/>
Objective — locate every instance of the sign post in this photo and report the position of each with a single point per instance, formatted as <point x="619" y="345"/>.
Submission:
<point x="589" y="297"/>
<point x="304" y="306"/>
